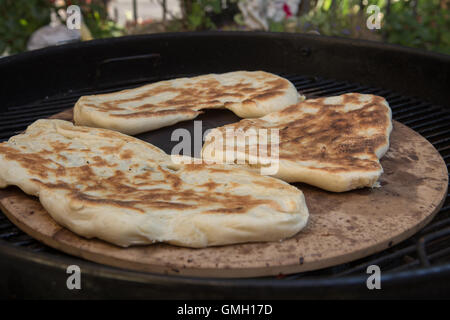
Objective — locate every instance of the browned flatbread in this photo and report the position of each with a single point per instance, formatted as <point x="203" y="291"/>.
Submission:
<point x="247" y="94"/>
<point x="104" y="184"/>
<point x="334" y="143"/>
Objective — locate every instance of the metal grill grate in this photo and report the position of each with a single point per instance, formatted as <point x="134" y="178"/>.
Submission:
<point x="431" y="246"/>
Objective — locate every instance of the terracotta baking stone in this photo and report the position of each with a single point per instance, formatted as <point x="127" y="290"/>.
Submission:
<point x="342" y="226"/>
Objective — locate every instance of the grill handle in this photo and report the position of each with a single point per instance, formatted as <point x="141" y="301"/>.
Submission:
<point x="127" y="70"/>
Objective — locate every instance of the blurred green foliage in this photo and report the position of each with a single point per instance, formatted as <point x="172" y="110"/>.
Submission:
<point x="423" y="24"/>
<point x="18" y="20"/>
<point x="96" y="19"/>
<point x="426" y="27"/>
<point x="337" y="21"/>
<point x="197" y="15"/>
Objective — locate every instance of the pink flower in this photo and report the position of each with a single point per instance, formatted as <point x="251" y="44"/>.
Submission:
<point x="287" y="10"/>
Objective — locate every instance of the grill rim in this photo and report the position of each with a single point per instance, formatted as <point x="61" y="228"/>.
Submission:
<point x="299" y="283"/>
<point x="116" y="274"/>
<point x="341" y="40"/>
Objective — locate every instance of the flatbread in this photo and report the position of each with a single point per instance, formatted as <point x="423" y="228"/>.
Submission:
<point x="156" y="105"/>
<point x="334" y="143"/>
<point x="104" y="184"/>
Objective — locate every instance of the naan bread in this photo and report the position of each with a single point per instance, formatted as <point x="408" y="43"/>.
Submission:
<point x="247" y="94"/>
<point x="333" y="143"/>
<point x="101" y="183"/>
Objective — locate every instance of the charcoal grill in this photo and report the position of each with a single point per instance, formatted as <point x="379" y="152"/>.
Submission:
<point x="41" y="83"/>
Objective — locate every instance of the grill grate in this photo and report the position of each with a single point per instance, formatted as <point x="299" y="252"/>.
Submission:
<point x="431" y="246"/>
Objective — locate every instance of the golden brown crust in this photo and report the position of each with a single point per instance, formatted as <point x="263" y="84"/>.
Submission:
<point x="99" y="183"/>
<point x="338" y="135"/>
<point x="133" y="191"/>
<point x="193" y="96"/>
<point x="248" y="94"/>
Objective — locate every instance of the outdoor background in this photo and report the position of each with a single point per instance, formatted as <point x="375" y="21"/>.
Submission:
<point x="421" y="24"/>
